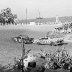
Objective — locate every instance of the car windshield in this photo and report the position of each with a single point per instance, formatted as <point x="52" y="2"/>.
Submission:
<point x="44" y="38"/>
<point x="23" y="36"/>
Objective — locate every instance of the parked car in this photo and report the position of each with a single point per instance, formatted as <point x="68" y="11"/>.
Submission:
<point x="20" y="38"/>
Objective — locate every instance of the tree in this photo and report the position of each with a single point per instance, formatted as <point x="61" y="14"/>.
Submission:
<point x="6" y="16"/>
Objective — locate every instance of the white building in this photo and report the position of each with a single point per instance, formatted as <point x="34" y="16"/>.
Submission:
<point x="32" y="23"/>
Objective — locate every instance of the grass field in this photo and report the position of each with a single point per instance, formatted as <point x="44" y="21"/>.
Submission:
<point x="10" y="49"/>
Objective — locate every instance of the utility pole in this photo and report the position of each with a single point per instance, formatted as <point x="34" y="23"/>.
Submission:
<point x="26" y="15"/>
<point x="23" y="54"/>
<point x="39" y="14"/>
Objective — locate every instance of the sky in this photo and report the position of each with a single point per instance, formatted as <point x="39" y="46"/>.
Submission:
<point x="47" y="8"/>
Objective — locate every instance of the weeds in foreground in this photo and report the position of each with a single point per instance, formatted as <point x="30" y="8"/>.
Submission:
<point x="58" y="61"/>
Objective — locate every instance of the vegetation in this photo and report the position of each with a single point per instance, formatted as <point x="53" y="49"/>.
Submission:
<point x="6" y="16"/>
<point x="58" y="61"/>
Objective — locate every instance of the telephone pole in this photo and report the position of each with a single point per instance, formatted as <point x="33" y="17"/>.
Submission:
<point x="26" y="15"/>
<point x="23" y="54"/>
<point x="39" y="16"/>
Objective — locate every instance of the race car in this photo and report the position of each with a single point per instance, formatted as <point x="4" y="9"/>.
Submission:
<point x="57" y="43"/>
<point x="20" y="38"/>
<point x="43" y="41"/>
<point x="51" y="41"/>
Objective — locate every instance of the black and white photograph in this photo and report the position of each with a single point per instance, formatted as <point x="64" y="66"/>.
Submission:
<point x="35" y="35"/>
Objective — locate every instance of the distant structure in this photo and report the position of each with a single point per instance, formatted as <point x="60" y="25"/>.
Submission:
<point x="39" y="15"/>
<point x="32" y="23"/>
<point x="57" y="20"/>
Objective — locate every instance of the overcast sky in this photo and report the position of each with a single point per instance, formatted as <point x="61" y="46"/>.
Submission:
<point x="47" y="8"/>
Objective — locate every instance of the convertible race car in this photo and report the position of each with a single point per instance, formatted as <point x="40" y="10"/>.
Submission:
<point x="20" y="38"/>
<point x="58" y="43"/>
<point x="52" y="42"/>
